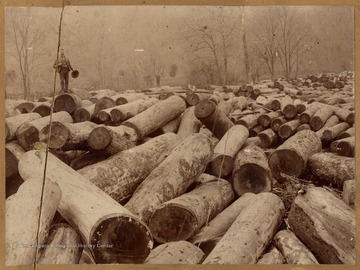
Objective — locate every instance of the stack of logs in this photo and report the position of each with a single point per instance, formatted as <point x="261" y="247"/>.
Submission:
<point x="183" y="177"/>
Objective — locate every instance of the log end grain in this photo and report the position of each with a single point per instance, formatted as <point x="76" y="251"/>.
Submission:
<point x="289" y="111"/>
<point x="58" y="137"/>
<point x="103" y="116"/>
<point x="99" y="138"/>
<point x="192" y="99"/>
<point x="27" y="136"/>
<point x="286" y="161"/>
<point x="121" y="101"/>
<point x="316" y="123"/>
<point x="285" y="131"/>
<point x="66" y="102"/>
<point x="116" y="115"/>
<point x="82" y="115"/>
<point x="204" y="109"/>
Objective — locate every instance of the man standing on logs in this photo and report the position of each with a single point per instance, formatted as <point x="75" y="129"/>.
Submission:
<point x="63" y="67"/>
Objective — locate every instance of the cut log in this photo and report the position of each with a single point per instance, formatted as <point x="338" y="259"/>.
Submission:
<point x="325" y="224"/>
<point x="268" y="138"/>
<point x="348" y="193"/>
<point x="274" y="256"/>
<point x="67" y="136"/>
<point x="347" y="133"/>
<point x="180" y="252"/>
<point x="291" y="157"/>
<point x="225" y="107"/>
<point x="300" y="106"/>
<point x="253" y="141"/>
<point x="25" y="107"/>
<point x="156" y="116"/>
<point x="189" y="124"/>
<point x="12" y="184"/>
<point x="213" y="119"/>
<point x="288" y="129"/>
<point x="293" y="250"/>
<point x="213" y="140"/>
<point x="318" y="120"/>
<point x="288" y="108"/>
<point x="123" y="112"/>
<point x="303" y="127"/>
<point x="63" y="246"/>
<point x="192" y="99"/>
<point x="28" y="133"/>
<point x="331" y="133"/>
<point x="310" y="111"/>
<point x="345" y="115"/>
<point x="13" y="123"/>
<point x="88" y="158"/>
<point x="255" y="131"/>
<point x="121" y="174"/>
<point x="251" y="171"/>
<point x="346" y="147"/>
<point x="332" y="168"/>
<point x="13" y="153"/>
<point x="225" y="151"/>
<point x="102" y="104"/>
<point x="264" y="120"/>
<point x="277" y="122"/>
<point x="332" y="121"/>
<point x="180" y="218"/>
<point x="130" y="97"/>
<point x="29" y="213"/>
<point x="83" y="114"/>
<point x="334" y="144"/>
<point x="113" y="233"/>
<point x="251" y="232"/>
<point x="112" y="139"/>
<point x="43" y="109"/>
<point x="172" y="177"/>
<point x="67" y="102"/>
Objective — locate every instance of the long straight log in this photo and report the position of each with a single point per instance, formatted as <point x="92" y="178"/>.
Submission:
<point x="67" y="102"/>
<point x="250" y="233"/>
<point x="332" y="168"/>
<point x="318" y="120"/>
<point x="325" y="224"/>
<point x="225" y="151"/>
<point x="156" y="116"/>
<point x="102" y="104"/>
<point x="172" y="177"/>
<point x="303" y="127"/>
<point x="189" y="123"/>
<point x="181" y="217"/>
<point x="83" y="114"/>
<point x="13" y="123"/>
<point x="122" y="173"/>
<point x="331" y="133"/>
<point x="104" y="224"/>
<point x="291" y="157"/>
<point x="274" y="256"/>
<point x="250" y="120"/>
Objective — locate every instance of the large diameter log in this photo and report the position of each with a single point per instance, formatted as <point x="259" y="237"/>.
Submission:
<point x="348" y="193"/>
<point x="346" y="147"/>
<point x="332" y="121"/>
<point x="274" y="256"/>
<point x="28" y="133"/>
<point x="291" y="157"/>
<point x="189" y="124"/>
<point x="123" y="112"/>
<point x="67" y="102"/>
<point x="245" y="241"/>
<point x="255" y="131"/>
<point x="325" y="224"/>
<point x="13" y="153"/>
<point x="213" y="119"/>
<point x="29" y="213"/>
<point x="121" y="174"/>
<point x="156" y="116"/>
<point x="112" y="139"/>
<point x="331" y="133"/>
<point x="293" y="250"/>
<point x="113" y="233"/>
<point x="253" y="141"/>
<point x="288" y="129"/>
<point x="264" y="120"/>
<point x="318" y="120"/>
<point x="84" y="113"/>
<point x="63" y="246"/>
<point x="180" y="218"/>
<point x="332" y="168"/>
<point x="347" y="133"/>
<point x="172" y="177"/>
<point x="251" y="171"/>
<point x="268" y="137"/>
<point x="179" y="252"/>
<point x="192" y="99"/>
<point x="14" y="122"/>
<point x="44" y="109"/>
<point x="225" y="151"/>
<point x="208" y="236"/>
<point x="67" y="136"/>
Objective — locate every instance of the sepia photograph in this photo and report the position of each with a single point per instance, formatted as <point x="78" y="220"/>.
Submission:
<point x="179" y="135"/>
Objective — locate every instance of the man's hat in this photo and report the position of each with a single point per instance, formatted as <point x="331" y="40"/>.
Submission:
<point x="75" y="74"/>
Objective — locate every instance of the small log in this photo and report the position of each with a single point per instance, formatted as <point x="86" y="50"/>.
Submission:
<point x="44" y="109"/>
<point x="249" y="121"/>
<point x="130" y="97"/>
<point x="310" y="111"/>
<point x="250" y="233"/>
<point x="318" y="120"/>
<point x="179" y="252"/>
<point x="274" y="256"/>
<point x="325" y="224"/>
<point x="345" y="115"/>
<point x="331" y="133"/>
<point x="192" y="99"/>
<point x="12" y="184"/>
<point x="251" y="171"/>
<point x="348" y="193"/>
<point x="303" y="127"/>
<point x="13" y="153"/>
<point x="347" y="133"/>
<point x="180" y="218"/>
<point x="122" y="173"/>
<point x="189" y="124"/>
<point x="156" y="116"/>
<point x="104" y="224"/>
<point x="291" y="157"/>
<point x="264" y="120"/>
<point x="67" y="136"/>
<point x="63" y="246"/>
<point x="28" y="133"/>
<point x="29" y="213"/>
<point x="67" y="102"/>
<point x="346" y="147"/>
<point x="83" y="114"/>
<point x="102" y="104"/>
<point x="332" y="121"/>
<point x="255" y="131"/>
<point x="288" y="108"/>
<point x="225" y="151"/>
<point x="14" y="122"/>
<point x="172" y="177"/>
<point x="332" y="168"/>
<point x="293" y="250"/>
<point x="277" y="122"/>
<point x="288" y="129"/>
<point x="268" y="138"/>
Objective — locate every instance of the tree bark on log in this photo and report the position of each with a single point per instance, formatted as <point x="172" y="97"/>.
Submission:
<point x="251" y="171"/>
<point x="318" y="120"/>
<point x="332" y="168"/>
<point x="83" y="114"/>
<point x="348" y="193"/>
<point x="114" y="234"/>
<point x="334" y="144"/>
<point x="172" y="177"/>
<point x="239" y="103"/>
<point x="300" y="105"/>
<point x="189" y="124"/>
<point x="171" y="126"/>
<point x="29" y="213"/>
<point x="180" y="218"/>
<point x="180" y="252"/>
<point x="264" y="120"/>
<point x="225" y="151"/>
<point x="156" y="116"/>
<point x="245" y="241"/>
<point x="274" y="256"/>
<point x="253" y="141"/>
<point x="13" y="153"/>
<point x="225" y="107"/>
<point x="291" y="157"/>
<point x="14" y="122"/>
<point x="268" y="138"/>
<point x="67" y="102"/>
<point x="330" y="133"/>
<point x="325" y="224"/>
<point x="293" y="250"/>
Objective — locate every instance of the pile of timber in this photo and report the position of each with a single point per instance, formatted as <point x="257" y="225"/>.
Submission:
<point x="170" y="176"/>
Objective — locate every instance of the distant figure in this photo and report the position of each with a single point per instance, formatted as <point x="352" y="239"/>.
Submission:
<point x="63" y="67"/>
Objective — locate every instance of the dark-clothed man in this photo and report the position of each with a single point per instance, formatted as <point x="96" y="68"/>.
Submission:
<point x="63" y="67"/>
